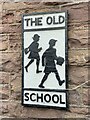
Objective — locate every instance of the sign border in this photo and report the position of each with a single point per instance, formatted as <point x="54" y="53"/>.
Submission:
<point x="66" y="60"/>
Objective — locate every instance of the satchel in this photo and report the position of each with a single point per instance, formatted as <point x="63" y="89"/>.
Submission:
<point x="60" y="61"/>
<point x="26" y="50"/>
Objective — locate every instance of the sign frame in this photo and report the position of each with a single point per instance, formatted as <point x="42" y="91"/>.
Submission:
<point x="66" y="60"/>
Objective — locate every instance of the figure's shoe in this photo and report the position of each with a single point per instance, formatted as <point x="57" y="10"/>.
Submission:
<point x="38" y="71"/>
<point x="61" y="82"/>
<point x="41" y="86"/>
<point x="26" y="68"/>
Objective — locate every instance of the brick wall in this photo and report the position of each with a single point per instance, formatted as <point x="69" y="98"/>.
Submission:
<point x="11" y="59"/>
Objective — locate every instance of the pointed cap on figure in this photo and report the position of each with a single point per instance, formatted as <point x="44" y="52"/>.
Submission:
<point x="52" y="41"/>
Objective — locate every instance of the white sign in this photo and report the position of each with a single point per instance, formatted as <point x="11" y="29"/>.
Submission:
<point x="44" y="60"/>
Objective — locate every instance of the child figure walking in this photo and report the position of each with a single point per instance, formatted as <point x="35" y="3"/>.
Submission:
<point x="34" y="53"/>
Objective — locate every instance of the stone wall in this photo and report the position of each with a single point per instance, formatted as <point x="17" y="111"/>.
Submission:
<point x="11" y="59"/>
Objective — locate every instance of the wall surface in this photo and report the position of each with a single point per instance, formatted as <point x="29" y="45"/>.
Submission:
<point x="11" y="59"/>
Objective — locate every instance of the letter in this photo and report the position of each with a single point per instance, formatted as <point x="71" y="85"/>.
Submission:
<point x="47" y="98"/>
<point x="49" y="20"/>
<point x="54" y="22"/>
<point x="33" y="21"/>
<point x="61" y="100"/>
<point x="27" y="21"/>
<point x="31" y="98"/>
<point x="40" y="97"/>
<point x="26" y="95"/>
<point x="55" y="98"/>
<point x="40" y="21"/>
<point x="61" y="19"/>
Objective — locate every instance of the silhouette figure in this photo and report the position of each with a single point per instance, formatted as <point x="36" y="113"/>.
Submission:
<point x="48" y="60"/>
<point x="34" y="53"/>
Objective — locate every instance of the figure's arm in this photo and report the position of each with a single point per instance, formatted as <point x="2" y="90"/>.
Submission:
<point x="34" y="47"/>
<point x="43" y="59"/>
<point x="39" y="49"/>
<point x="27" y="50"/>
<point x="55" y="56"/>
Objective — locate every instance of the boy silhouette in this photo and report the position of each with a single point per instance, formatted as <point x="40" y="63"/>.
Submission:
<point x="34" y="53"/>
<point x="48" y="60"/>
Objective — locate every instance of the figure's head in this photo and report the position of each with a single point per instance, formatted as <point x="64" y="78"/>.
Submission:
<point x="36" y="37"/>
<point x="52" y="42"/>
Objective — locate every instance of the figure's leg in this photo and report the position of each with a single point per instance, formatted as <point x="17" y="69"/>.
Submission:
<point x="26" y="67"/>
<point x="58" y="78"/>
<point x="37" y="64"/>
<point x="43" y="80"/>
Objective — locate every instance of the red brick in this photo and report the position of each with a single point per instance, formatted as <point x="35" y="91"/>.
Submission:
<point x="77" y="12"/>
<point x="77" y="75"/>
<point x="4" y="77"/>
<point x="4" y="91"/>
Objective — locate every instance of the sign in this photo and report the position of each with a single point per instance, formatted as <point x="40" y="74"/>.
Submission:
<point x="44" y="68"/>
